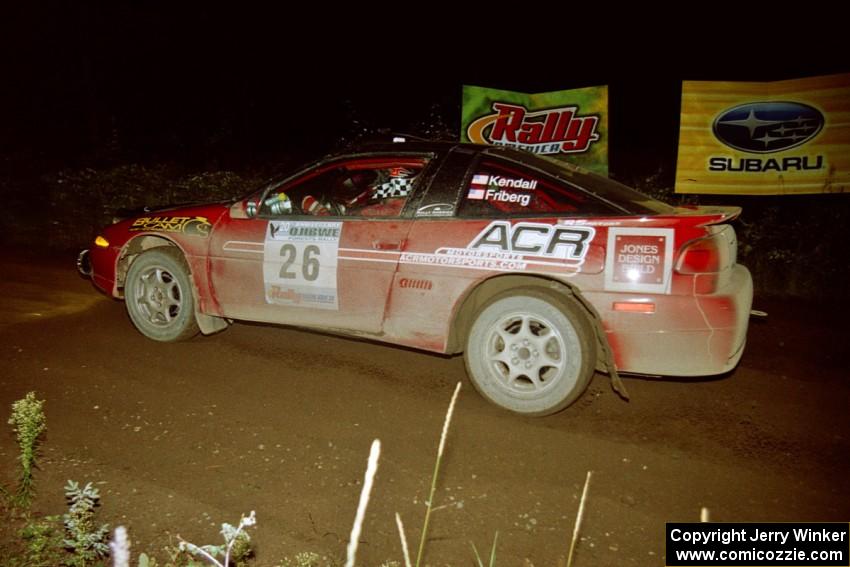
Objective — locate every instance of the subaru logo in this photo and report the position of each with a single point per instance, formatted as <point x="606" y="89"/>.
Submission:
<point x="767" y="127"/>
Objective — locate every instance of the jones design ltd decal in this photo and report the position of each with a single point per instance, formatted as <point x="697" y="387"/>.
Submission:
<point x="639" y="259"/>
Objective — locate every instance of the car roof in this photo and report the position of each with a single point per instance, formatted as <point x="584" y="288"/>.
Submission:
<point x="435" y="145"/>
<point x="615" y="193"/>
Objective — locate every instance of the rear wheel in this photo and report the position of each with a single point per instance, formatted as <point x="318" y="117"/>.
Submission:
<point x="158" y="295"/>
<point x="530" y="354"/>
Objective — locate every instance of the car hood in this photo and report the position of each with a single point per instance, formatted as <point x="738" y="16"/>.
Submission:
<point x="195" y="219"/>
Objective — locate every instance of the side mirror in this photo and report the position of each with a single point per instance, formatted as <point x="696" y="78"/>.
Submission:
<point x="245" y="209"/>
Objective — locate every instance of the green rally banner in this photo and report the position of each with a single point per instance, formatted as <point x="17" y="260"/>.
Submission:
<point x="571" y="124"/>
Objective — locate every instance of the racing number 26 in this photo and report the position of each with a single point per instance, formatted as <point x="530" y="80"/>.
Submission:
<point x="310" y="267"/>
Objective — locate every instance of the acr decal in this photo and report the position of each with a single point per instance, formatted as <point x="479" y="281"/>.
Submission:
<point x="411" y="283"/>
<point x="552" y="131"/>
<point x="639" y="259"/>
<point x="300" y="263"/>
<point x="566" y="243"/>
<point x="198" y="226"/>
<point x="502" y="246"/>
<point x="436" y="210"/>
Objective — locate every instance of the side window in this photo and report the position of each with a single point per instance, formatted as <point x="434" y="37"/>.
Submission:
<point x="291" y="198"/>
<point x="363" y="187"/>
<point x="498" y="188"/>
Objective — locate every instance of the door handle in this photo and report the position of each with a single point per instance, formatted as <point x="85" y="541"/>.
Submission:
<point x="387" y="244"/>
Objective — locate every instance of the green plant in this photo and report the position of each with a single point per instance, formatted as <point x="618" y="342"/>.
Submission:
<point x="237" y="544"/>
<point x="29" y="424"/>
<point x="429" y="505"/>
<point x="86" y="542"/>
<point x="43" y="543"/>
<point x="492" y="562"/>
<point x="365" y="493"/>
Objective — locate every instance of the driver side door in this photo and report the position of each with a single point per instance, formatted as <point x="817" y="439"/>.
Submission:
<point x="306" y="258"/>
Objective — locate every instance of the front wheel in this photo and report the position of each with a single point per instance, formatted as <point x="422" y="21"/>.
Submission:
<point x="158" y="295"/>
<point x="530" y="354"/>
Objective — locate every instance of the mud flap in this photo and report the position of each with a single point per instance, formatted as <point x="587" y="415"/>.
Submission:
<point x="210" y="324"/>
<point x="601" y="338"/>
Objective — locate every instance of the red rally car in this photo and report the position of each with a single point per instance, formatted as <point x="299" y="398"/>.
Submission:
<point x="538" y="271"/>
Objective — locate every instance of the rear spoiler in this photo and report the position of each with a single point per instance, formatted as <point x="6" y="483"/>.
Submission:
<point x="705" y="216"/>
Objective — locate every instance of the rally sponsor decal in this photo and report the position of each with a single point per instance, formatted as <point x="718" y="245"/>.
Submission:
<point x="300" y="263"/>
<point x="639" y="259"/>
<point x="436" y="210"/>
<point x="502" y="246"/>
<point x="198" y="226"/>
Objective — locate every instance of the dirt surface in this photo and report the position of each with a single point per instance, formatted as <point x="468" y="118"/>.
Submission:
<point x="182" y="437"/>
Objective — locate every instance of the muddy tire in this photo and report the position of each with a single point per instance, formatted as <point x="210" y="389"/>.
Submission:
<point x="531" y="354"/>
<point x="158" y="295"/>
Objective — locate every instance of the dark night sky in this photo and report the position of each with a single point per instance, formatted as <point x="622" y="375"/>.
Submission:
<point x="190" y="84"/>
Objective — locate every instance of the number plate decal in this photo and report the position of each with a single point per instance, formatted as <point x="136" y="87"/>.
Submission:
<point x="299" y="263"/>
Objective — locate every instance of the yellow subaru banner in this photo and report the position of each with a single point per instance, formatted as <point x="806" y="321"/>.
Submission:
<point x="777" y="138"/>
<point x="570" y="124"/>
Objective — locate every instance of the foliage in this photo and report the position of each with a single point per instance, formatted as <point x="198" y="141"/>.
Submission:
<point x="237" y="544"/>
<point x="43" y="541"/>
<point x="492" y="563"/>
<point x="29" y="423"/>
<point x="79" y="202"/>
<point x="86" y="542"/>
<point x="432" y="125"/>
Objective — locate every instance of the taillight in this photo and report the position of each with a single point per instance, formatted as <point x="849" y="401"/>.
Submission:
<point x="702" y="259"/>
<point x="699" y="257"/>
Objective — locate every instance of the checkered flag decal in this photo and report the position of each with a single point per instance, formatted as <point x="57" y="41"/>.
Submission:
<point x="397" y="187"/>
